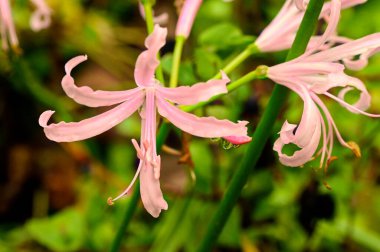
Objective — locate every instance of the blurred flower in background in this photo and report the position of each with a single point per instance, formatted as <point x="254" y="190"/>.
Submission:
<point x="40" y="20"/>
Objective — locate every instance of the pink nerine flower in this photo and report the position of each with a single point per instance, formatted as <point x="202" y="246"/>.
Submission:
<point x="280" y="33"/>
<point x="40" y="19"/>
<point x="186" y="17"/>
<point x="149" y="96"/>
<point x="314" y="74"/>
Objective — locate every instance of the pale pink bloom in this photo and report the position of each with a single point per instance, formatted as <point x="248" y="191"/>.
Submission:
<point x="40" y="19"/>
<point x="41" y="16"/>
<point x="148" y="96"/>
<point x="8" y="31"/>
<point x="186" y="17"/>
<point x="280" y="33"/>
<point x="161" y="19"/>
<point x="314" y="74"/>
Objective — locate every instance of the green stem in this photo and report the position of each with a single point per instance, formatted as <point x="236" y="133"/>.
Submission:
<point x="179" y="42"/>
<point x="261" y="134"/>
<point x="250" y="50"/>
<point x="150" y="26"/>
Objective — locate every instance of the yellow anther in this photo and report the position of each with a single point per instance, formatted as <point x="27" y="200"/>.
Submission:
<point x="355" y="148"/>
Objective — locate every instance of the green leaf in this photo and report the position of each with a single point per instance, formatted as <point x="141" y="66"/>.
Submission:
<point x="207" y="63"/>
<point x="224" y="36"/>
<point x="186" y="74"/>
<point x="64" y="231"/>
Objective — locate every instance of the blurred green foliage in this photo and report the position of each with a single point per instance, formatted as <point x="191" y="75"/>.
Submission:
<point x="56" y="199"/>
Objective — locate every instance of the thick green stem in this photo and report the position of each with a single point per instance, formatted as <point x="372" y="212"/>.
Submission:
<point x="179" y="42"/>
<point x="262" y="133"/>
<point x="150" y="26"/>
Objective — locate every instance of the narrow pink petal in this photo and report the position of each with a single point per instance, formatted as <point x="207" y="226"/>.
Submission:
<point x="75" y="131"/>
<point x="367" y="45"/>
<point x="186" y="17"/>
<point x="86" y="96"/>
<point x="147" y="61"/>
<point x="151" y="194"/>
<point x="200" y="126"/>
<point x="351" y="3"/>
<point x="41" y="17"/>
<point x="350" y="107"/>
<point x="296" y="69"/>
<point x="198" y="92"/>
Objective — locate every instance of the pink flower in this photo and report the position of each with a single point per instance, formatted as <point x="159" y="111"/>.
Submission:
<point x="314" y="74"/>
<point x="39" y="20"/>
<point x="280" y="33"/>
<point x="186" y="17"/>
<point x="150" y="96"/>
<point x="41" y="17"/>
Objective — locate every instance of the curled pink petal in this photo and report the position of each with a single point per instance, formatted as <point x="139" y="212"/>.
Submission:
<point x="69" y="132"/>
<point x="198" y="92"/>
<point x="41" y="18"/>
<point x="147" y="61"/>
<point x="44" y="118"/>
<point x="200" y="126"/>
<point x="86" y="96"/>
<point x="187" y="16"/>
<point x="306" y="136"/>
<point x="302" y="156"/>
